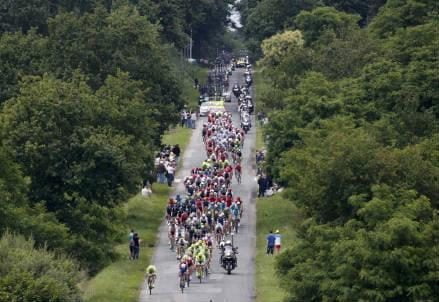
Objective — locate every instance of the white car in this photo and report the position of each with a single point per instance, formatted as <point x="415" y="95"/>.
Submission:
<point x="212" y="106"/>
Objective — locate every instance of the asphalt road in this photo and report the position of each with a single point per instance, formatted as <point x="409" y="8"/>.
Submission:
<point x="218" y="287"/>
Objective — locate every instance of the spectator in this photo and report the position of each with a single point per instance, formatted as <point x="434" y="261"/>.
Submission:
<point x="146" y="191"/>
<point x="270" y="243"/>
<point x="277" y="241"/>
<point x="188" y="119"/>
<point x="136" y="247"/>
<point x="193" y="119"/>
<point x="161" y="170"/>
<point x="183" y="118"/>
<point x="157" y="160"/>
<point x="170" y="173"/>
<point x="131" y="244"/>
<point x="176" y="150"/>
<point x="262" y="183"/>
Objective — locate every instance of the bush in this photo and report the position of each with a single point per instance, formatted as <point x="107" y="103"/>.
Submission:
<point x="30" y="274"/>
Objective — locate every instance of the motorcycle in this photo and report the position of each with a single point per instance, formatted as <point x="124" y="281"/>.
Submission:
<point x="245" y="125"/>
<point x="250" y="107"/>
<point x="229" y="260"/>
<point x="236" y="91"/>
<point x="248" y="81"/>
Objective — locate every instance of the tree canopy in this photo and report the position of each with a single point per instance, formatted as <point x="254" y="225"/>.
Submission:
<point x="352" y="135"/>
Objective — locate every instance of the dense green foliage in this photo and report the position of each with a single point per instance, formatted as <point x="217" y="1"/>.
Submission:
<point x="352" y="135"/>
<point x="31" y="274"/>
<point x="87" y="90"/>
<point x="264" y="18"/>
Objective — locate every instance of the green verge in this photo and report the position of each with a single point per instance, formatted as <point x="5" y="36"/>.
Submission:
<point x="273" y="213"/>
<point x="259" y="138"/>
<point x="178" y="135"/>
<point x="121" y="281"/>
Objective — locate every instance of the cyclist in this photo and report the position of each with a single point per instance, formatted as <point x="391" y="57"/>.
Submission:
<point x="182" y="268"/>
<point x="181" y="244"/>
<point x="218" y="232"/>
<point x="151" y="275"/>
<point x="200" y="263"/>
<point x="238" y="171"/>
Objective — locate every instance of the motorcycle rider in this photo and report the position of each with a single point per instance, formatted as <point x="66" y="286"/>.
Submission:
<point x="229" y="246"/>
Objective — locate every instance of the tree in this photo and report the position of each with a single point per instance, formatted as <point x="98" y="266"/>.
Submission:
<point x="21" y="216"/>
<point x="366" y="9"/>
<point x="338" y="161"/>
<point x="31" y="274"/>
<point x="384" y="254"/>
<point x="101" y="44"/>
<point x="314" y="23"/>
<point x="278" y="46"/>
<point x="272" y="16"/>
<point x="398" y="14"/>
<point x="20" y="54"/>
<point x="22" y="15"/>
<point x="84" y="156"/>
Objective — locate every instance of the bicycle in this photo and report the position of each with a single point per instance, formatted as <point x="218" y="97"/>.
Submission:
<point x="235" y="223"/>
<point x="171" y="241"/>
<point x="182" y="282"/>
<point x="150" y="282"/>
<point x="200" y="271"/>
<point x="238" y="177"/>
<point x="180" y="251"/>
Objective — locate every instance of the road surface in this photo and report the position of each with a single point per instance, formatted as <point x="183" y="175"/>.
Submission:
<point x="218" y="287"/>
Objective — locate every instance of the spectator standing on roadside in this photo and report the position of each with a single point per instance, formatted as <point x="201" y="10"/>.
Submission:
<point x="277" y="241"/>
<point x="188" y="119"/>
<point x="136" y="241"/>
<point x="170" y="175"/>
<point x="183" y="118"/>
<point x="271" y="239"/>
<point x="161" y="170"/>
<point x="131" y="244"/>
<point x="176" y="150"/>
<point x="262" y="183"/>
<point x="193" y="119"/>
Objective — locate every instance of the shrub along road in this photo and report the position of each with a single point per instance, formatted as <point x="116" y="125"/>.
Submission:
<point x="239" y="286"/>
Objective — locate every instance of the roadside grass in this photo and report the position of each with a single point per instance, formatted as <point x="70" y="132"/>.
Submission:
<point x="260" y="144"/>
<point x="190" y="93"/>
<point x="273" y="213"/>
<point x="121" y="281"/>
<point x="178" y="135"/>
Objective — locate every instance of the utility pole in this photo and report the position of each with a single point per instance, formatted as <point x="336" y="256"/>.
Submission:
<point x="190" y="47"/>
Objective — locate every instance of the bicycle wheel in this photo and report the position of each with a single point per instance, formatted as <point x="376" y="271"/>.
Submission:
<point x="182" y="284"/>
<point x="150" y="286"/>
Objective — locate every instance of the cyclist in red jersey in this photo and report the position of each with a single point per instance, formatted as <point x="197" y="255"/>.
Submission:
<point x="238" y="171"/>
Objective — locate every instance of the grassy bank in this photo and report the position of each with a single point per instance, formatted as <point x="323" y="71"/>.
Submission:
<point x="121" y="280"/>
<point x="273" y="213"/>
<point x="259" y="138"/>
<point x="178" y="135"/>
